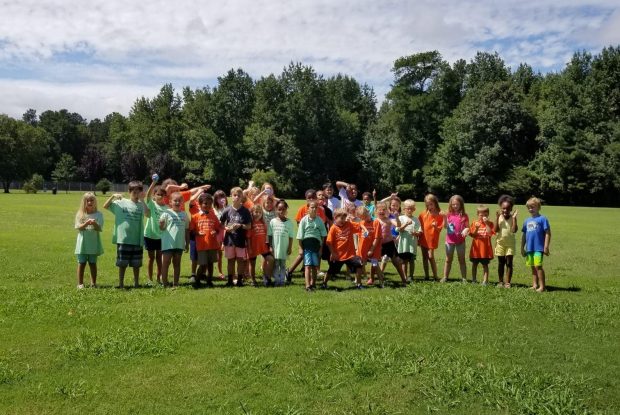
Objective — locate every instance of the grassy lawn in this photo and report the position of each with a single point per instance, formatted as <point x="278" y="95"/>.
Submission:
<point x="428" y="348"/>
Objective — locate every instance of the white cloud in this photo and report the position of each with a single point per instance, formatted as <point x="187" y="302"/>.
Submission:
<point x="73" y="47"/>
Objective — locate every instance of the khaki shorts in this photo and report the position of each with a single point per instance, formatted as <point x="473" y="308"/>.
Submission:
<point x="207" y="257"/>
<point x="502" y="250"/>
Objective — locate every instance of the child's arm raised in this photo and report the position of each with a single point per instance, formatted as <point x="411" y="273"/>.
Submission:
<point x="390" y="197"/>
<point x="513" y="228"/>
<point x="115" y="196"/>
<point x="340" y="184"/>
<point x="497" y="215"/>
<point x="197" y="191"/>
<point x="149" y="192"/>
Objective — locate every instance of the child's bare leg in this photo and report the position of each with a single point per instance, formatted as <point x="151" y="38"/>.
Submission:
<point x="165" y="266"/>
<point x="448" y="264"/>
<point x="380" y="274"/>
<point x="474" y="271"/>
<point x="485" y="273"/>
<point x="313" y="273"/>
<point x="136" y="277"/>
<point x="121" y="277"/>
<point x="411" y="268"/>
<point x="541" y="278"/>
<point x="200" y="272"/>
<point x="194" y="267"/>
<point x="158" y="263"/>
<point x="295" y="264"/>
<point x="149" y="265"/>
<point x="462" y="265"/>
<point x="425" y="262"/>
<point x="241" y="268"/>
<point x="307" y="277"/>
<point x="219" y="262"/>
<point x="534" y="278"/>
<point x="231" y="269"/>
<point x="501" y="263"/>
<point x="80" y="273"/>
<point x="358" y="276"/>
<point x="252" y="269"/>
<point x="398" y="264"/>
<point x="176" y="268"/>
<point x="509" y="268"/>
<point x="432" y="262"/>
<point x="93" y="274"/>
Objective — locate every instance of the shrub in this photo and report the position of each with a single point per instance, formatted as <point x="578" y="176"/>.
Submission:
<point x="34" y="184"/>
<point x="103" y="185"/>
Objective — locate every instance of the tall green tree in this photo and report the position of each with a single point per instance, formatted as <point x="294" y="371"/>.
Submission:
<point x="65" y="170"/>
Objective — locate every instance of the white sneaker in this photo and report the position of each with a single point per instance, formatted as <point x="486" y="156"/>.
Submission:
<point x="192" y="280"/>
<point x="80" y="286"/>
<point x="320" y="274"/>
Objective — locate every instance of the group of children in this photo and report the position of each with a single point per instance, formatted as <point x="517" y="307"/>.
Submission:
<point x="364" y="235"/>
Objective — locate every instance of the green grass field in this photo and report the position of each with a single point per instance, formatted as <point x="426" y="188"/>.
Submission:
<point x="429" y="348"/>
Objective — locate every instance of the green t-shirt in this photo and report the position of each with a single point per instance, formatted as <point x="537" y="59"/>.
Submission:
<point x="88" y="239"/>
<point x="128" y="222"/>
<point x="280" y="233"/>
<point x="311" y="228"/>
<point x="151" y="229"/>
<point x="173" y="235"/>
<point x="407" y="242"/>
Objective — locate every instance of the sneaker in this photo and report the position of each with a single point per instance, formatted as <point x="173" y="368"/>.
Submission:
<point x="240" y="282"/>
<point x="192" y="279"/>
<point x="500" y="285"/>
<point x="370" y="281"/>
<point x="309" y="289"/>
<point x="483" y="283"/>
<point x="289" y="277"/>
<point x="222" y="277"/>
<point x="229" y="283"/>
<point x="359" y="287"/>
<point x="464" y="280"/>
<point x="209" y="283"/>
<point x="507" y="285"/>
<point x="320" y="274"/>
<point x="323" y="286"/>
<point x="80" y="286"/>
<point x="444" y="279"/>
<point x="474" y="281"/>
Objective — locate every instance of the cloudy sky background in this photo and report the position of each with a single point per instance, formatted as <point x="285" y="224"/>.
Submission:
<point x="97" y="57"/>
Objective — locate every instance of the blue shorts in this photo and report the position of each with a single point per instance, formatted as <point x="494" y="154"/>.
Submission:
<point x="311" y="258"/>
<point x="84" y="258"/>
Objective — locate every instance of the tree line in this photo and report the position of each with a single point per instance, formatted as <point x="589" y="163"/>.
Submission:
<point x="474" y="128"/>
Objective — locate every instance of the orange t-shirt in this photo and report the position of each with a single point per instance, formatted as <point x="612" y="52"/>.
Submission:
<point x="369" y="231"/>
<point x="303" y="211"/>
<point x="206" y="227"/>
<point x="481" y="245"/>
<point x="340" y="238"/>
<point x="257" y="238"/>
<point x="430" y="234"/>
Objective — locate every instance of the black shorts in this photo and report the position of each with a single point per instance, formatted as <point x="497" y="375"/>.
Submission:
<point x="389" y="249"/>
<point x="151" y="244"/>
<point x="483" y="261"/>
<point x="406" y="256"/>
<point x="353" y="264"/>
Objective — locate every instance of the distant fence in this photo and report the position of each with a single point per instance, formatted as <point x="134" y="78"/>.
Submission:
<point x="72" y="187"/>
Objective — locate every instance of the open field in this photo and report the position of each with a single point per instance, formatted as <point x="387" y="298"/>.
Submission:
<point x="428" y="348"/>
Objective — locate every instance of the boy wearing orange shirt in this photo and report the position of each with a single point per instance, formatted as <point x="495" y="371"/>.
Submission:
<point x="481" y="251"/>
<point x="342" y="248"/>
<point x="206" y="227"/>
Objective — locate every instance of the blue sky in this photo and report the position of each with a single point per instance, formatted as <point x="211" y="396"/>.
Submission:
<point x="96" y="57"/>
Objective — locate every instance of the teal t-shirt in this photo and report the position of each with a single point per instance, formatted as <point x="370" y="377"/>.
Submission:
<point x="173" y="235"/>
<point x="407" y="242"/>
<point x="280" y="233"/>
<point x="128" y="222"/>
<point x="151" y="229"/>
<point x="88" y="239"/>
<point x="311" y="228"/>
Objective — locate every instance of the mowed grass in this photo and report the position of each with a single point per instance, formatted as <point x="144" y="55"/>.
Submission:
<point x="429" y="348"/>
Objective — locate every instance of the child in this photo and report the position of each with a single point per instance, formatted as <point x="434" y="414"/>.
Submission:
<point x="409" y="231"/>
<point x="266" y="191"/>
<point x="369" y="246"/>
<point x="237" y="221"/>
<point x="535" y="242"/>
<point x="128" y="229"/>
<point x="155" y="196"/>
<point x="269" y="209"/>
<point x="369" y="201"/>
<point x="301" y="212"/>
<point x="457" y="229"/>
<point x="333" y="202"/>
<point x="257" y="245"/>
<point x="388" y="247"/>
<point x="88" y="222"/>
<point x="206" y="226"/>
<point x="432" y="222"/>
<point x="341" y="247"/>
<point x="220" y="202"/>
<point x="174" y="224"/>
<point x="480" y="251"/>
<point x="505" y="244"/>
<point x="280" y="233"/>
<point x="310" y="233"/>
